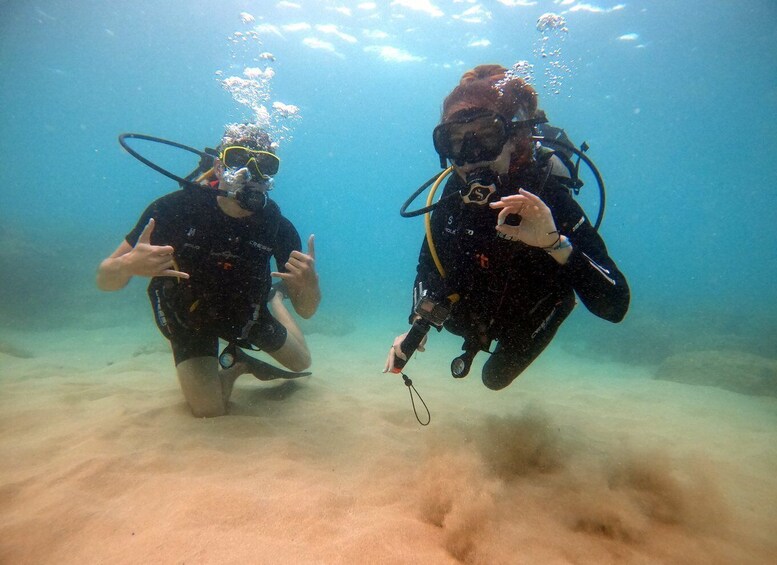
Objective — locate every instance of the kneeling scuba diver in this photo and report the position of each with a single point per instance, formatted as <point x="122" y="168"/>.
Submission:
<point x="245" y="176"/>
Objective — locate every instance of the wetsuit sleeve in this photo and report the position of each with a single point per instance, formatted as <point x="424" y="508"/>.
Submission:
<point x="592" y="273"/>
<point x="288" y="240"/>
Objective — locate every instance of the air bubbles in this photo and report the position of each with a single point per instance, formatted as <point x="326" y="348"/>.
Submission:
<point x="286" y="110"/>
<point x="523" y="70"/>
<point x="244" y="37"/>
<point x="257" y="73"/>
<point x="252" y="88"/>
<point x="549" y="50"/>
<point x="551" y="21"/>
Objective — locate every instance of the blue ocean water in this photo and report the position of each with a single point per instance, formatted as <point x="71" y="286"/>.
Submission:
<point x="676" y="99"/>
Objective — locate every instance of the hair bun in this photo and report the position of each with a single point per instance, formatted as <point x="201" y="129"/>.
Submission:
<point x="492" y="87"/>
<point x="491" y="72"/>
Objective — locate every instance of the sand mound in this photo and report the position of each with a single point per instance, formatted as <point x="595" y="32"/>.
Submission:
<point x="730" y="370"/>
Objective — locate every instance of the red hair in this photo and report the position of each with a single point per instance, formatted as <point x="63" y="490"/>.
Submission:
<point x="491" y="88"/>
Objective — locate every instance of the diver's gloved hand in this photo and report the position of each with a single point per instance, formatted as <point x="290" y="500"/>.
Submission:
<point x="396" y="351"/>
<point x="537" y="227"/>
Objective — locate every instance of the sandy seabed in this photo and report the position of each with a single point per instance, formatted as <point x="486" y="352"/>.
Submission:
<point x="577" y="462"/>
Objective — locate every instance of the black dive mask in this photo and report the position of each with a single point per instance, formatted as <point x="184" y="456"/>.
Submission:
<point x="471" y="137"/>
<point x="476" y="135"/>
<point x="479" y="186"/>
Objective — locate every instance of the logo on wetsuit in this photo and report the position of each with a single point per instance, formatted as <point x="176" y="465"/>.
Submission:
<point x="257" y="245"/>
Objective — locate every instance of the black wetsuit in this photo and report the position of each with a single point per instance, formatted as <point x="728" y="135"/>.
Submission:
<point x="509" y="291"/>
<point x="228" y="260"/>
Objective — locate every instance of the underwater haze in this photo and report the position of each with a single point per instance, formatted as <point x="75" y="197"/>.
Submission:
<point x="677" y="102"/>
<point x="676" y="99"/>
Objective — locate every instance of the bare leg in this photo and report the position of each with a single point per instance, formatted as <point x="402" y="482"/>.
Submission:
<point x="294" y="353"/>
<point x="206" y="387"/>
<point x="229" y="376"/>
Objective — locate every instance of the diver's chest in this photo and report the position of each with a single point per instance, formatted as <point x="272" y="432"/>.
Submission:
<point x="225" y="248"/>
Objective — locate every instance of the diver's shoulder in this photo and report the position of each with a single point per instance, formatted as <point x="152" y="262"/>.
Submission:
<point x="180" y="202"/>
<point x="272" y="206"/>
<point x="284" y="226"/>
<point x="190" y="197"/>
<point x="175" y="197"/>
<point x="284" y="223"/>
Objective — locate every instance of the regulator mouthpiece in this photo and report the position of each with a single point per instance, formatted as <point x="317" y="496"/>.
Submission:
<point x="480" y="185"/>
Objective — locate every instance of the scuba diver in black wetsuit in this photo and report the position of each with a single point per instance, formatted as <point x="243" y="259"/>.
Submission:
<point x="207" y="250"/>
<point x="507" y="246"/>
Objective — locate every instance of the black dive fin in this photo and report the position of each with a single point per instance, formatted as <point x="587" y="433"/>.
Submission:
<point x="266" y="372"/>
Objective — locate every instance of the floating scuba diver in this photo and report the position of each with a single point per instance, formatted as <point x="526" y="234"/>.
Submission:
<point x="207" y="250"/>
<point x="507" y="246"/>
